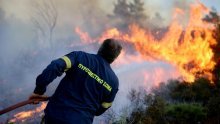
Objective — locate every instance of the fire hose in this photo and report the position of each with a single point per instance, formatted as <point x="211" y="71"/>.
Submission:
<point x="23" y="103"/>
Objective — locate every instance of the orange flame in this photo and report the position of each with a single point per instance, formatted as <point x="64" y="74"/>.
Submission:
<point x="22" y="116"/>
<point x="186" y="46"/>
<point x="83" y="36"/>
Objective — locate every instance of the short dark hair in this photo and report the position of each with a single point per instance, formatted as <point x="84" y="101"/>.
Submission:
<point x="110" y="50"/>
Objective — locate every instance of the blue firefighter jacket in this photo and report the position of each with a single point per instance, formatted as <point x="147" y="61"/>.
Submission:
<point x="87" y="90"/>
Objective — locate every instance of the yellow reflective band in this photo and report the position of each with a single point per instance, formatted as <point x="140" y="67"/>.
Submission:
<point x="106" y="104"/>
<point x="68" y="62"/>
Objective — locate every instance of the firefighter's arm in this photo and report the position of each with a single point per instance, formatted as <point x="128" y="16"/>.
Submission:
<point x="107" y="103"/>
<point x="105" y="106"/>
<point x="54" y="69"/>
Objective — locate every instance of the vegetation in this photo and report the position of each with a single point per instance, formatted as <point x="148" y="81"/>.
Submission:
<point x="180" y="102"/>
<point x="185" y="103"/>
<point x="129" y="13"/>
<point x="173" y="102"/>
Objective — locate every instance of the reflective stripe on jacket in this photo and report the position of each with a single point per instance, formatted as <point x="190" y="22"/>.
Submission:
<point x="88" y="88"/>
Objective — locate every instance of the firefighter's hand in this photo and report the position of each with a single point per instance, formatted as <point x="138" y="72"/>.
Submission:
<point x="37" y="98"/>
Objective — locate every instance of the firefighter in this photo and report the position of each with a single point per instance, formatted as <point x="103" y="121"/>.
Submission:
<point x="88" y="88"/>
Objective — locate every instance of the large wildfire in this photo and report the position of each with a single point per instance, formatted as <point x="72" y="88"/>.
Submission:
<point x="186" y="46"/>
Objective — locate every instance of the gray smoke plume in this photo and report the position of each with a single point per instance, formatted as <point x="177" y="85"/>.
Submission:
<point x="28" y="42"/>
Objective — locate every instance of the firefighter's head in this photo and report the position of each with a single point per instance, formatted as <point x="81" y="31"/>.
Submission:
<point x="110" y="50"/>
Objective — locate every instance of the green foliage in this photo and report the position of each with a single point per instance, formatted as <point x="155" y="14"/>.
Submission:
<point x="198" y="91"/>
<point x="156" y="111"/>
<point x="203" y="89"/>
<point x="182" y="92"/>
<point x="213" y="106"/>
<point x="11" y="123"/>
<point x="178" y="102"/>
<point x="185" y="113"/>
<point x="137" y="104"/>
<point x="213" y="110"/>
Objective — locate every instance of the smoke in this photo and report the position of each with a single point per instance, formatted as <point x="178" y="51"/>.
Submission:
<point x="23" y="56"/>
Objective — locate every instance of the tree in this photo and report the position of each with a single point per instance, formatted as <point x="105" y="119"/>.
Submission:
<point x="198" y="91"/>
<point x="216" y="73"/>
<point x="110" y="116"/>
<point x="150" y="111"/>
<point x="136" y="100"/>
<point x="129" y="13"/>
<point x="213" y="108"/>
<point x="155" y="113"/>
<point x="164" y="89"/>
<point x="202" y="89"/>
<point x="121" y="14"/>
<point x="185" y="113"/>
<point x="44" y="19"/>
<point x="175" y="102"/>
<point x="182" y="92"/>
<point x="137" y="12"/>
<point x="137" y="106"/>
<point x="214" y="18"/>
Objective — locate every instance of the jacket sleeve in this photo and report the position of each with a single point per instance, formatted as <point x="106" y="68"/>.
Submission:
<point x="54" y="69"/>
<point x="107" y="103"/>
